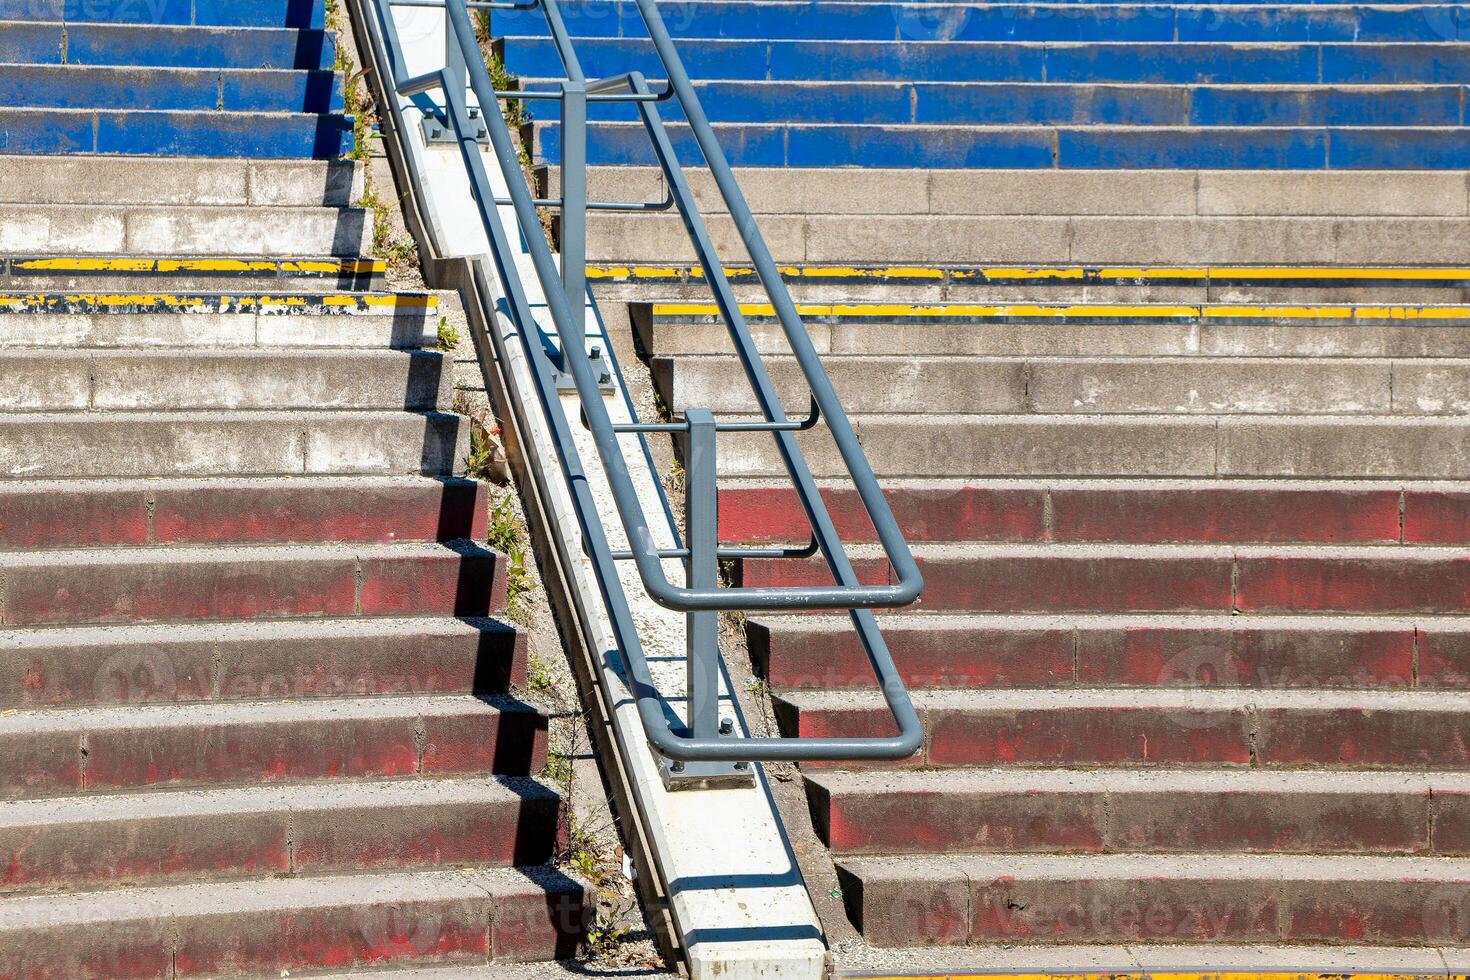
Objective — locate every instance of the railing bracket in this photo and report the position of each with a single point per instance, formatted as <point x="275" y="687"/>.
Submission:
<point x="438" y="131"/>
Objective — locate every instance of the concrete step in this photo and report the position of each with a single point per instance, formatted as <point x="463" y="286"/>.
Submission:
<point x="258" y="832"/>
<point x="1062" y="193"/>
<point x="966" y="104"/>
<point x="1081" y="330"/>
<point x="140" y="181"/>
<point x="63" y="380"/>
<point x="1116" y="511"/>
<point x="885" y="21"/>
<point x="163" y="444"/>
<point x="51" y="273"/>
<point x="222" y="13"/>
<point x="171" y="230"/>
<point x="1260" y="729"/>
<point x="1194" y="651"/>
<point x="1096" y="386"/>
<point x="63" y="752"/>
<point x="175" y="89"/>
<point x="402" y="327"/>
<point x="283" y="925"/>
<point x="1092" y="239"/>
<point x="234" y="510"/>
<point x="181" y="663"/>
<point x="162" y="584"/>
<point x="1212" y="899"/>
<point x="1216" y="61"/>
<point x="167" y="46"/>
<point x="1121" y="811"/>
<point x="984" y="577"/>
<point x="1360" y="447"/>
<point x="1088" y="145"/>
<point x="282" y="135"/>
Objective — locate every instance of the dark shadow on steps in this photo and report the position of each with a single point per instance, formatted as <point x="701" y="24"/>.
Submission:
<point x="421" y="393"/>
<point x="500" y="654"/>
<point x="538" y="821"/>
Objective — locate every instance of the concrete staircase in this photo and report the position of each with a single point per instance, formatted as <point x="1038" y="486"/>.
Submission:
<point x="257" y="713"/>
<point x="1191" y="655"/>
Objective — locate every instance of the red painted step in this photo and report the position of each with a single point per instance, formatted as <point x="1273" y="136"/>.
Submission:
<point x="1082" y="650"/>
<point x="52" y="753"/>
<point x="261" y="831"/>
<point x="218" y="583"/>
<point x="96" y="514"/>
<point x="1142" y="728"/>
<point x="180" y="663"/>
<point x="1121" y="511"/>
<point x="1127" y="898"/>
<point x="1161" y="578"/>
<point x="1135" y="811"/>
<point x="287" y="925"/>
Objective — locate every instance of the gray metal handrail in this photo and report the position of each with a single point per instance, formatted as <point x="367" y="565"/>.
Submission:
<point x="706" y="742"/>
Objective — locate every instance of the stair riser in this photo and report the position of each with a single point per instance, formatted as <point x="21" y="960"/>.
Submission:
<point x="1079" y="446"/>
<point x="199" y="183"/>
<point x="48" y="764"/>
<point x="241" y="13"/>
<point x="1037" y="104"/>
<point x="1219" y="148"/>
<point x="166" y="47"/>
<point x="1205" y="515"/>
<point x="1153" y="386"/>
<point x="1050" y="583"/>
<point x="184" y="671"/>
<point x="473" y="928"/>
<point x="98" y="382"/>
<point x="204" y="331"/>
<point x="52" y="446"/>
<point x="1162" y="822"/>
<point x="1007" y="22"/>
<point x="943" y="912"/>
<point x="1270" y="738"/>
<point x="239" y="513"/>
<point x="112" y="230"/>
<point x="1140" y="656"/>
<point x="1159" y="63"/>
<point x="56" y="593"/>
<point x="257" y="844"/>
<point x="157" y="89"/>
<point x="175" y="134"/>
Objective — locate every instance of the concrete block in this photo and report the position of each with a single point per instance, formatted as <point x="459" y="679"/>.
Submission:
<point x="1221" y="241"/>
<point x="936" y="238"/>
<point x="1063" y="193"/>
<point x="1332" y="193"/>
<point x="1394" y="448"/>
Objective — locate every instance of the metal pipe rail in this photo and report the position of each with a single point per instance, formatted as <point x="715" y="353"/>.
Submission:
<point x="705" y="749"/>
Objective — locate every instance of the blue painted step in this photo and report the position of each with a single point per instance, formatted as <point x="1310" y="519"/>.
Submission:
<point x="213" y="13"/>
<point x="201" y="89"/>
<point x="1040" y="147"/>
<point x="165" y="47"/>
<point x="1003" y="103"/>
<point x="1191" y="63"/>
<point x="175" y="134"/>
<point x="889" y="21"/>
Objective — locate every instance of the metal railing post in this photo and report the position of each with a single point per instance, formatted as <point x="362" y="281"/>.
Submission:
<point x="574" y="204"/>
<point x="701" y="534"/>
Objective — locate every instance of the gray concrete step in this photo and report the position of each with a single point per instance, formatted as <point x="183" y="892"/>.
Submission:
<point x="898" y="385"/>
<point x="1370" y="446"/>
<point x="181" y="182"/>
<point x="166" y="229"/>
<point x="292" y="925"/>
<point x="1108" y="336"/>
<point x="65" y="380"/>
<point x="967" y="238"/>
<point x="156" y="444"/>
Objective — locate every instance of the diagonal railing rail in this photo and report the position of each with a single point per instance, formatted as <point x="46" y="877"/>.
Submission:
<point x="703" y="748"/>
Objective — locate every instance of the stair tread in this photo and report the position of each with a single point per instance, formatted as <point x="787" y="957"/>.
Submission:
<point x="1100" y="780"/>
<point x="281" y="798"/>
<point x="20" y="639"/>
<point x="959" y="622"/>
<point x="204" y="554"/>
<point x="1223" y="699"/>
<point x="1220" y="867"/>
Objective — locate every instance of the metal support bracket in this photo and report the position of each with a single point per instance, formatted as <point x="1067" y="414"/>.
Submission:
<point x="565" y="382"/>
<point x="437" y="130"/>
<point x="702" y="659"/>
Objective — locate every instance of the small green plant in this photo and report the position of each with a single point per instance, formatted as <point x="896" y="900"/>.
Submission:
<point x="558" y="769"/>
<point x="538" y="676"/>
<point x="585" y="864"/>
<point x="448" y="336"/>
<point x="608" y="933"/>
<point x="481" y="462"/>
<point x="505" y="536"/>
<point x="674" y="482"/>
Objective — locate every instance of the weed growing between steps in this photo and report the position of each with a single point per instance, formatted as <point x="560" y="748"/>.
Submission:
<point x="448" y="336"/>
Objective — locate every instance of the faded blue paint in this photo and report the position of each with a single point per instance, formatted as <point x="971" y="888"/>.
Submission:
<point x="1225" y="149"/>
<point x="198" y="47"/>
<point x="80" y="87"/>
<point x="1399" y="149"/>
<point x="1406" y="106"/>
<point x="227" y="13"/>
